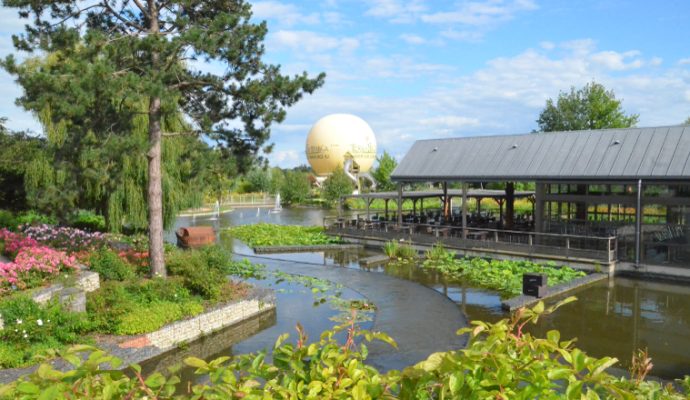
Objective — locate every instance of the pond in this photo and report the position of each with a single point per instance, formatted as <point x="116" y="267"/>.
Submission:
<point x="611" y="318"/>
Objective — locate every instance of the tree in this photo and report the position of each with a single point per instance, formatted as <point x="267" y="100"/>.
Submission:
<point x="686" y="122"/>
<point x="295" y="188"/>
<point x="18" y="149"/>
<point x="337" y="185"/>
<point x="135" y="53"/>
<point x="591" y="107"/>
<point x="259" y="180"/>
<point x="382" y="172"/>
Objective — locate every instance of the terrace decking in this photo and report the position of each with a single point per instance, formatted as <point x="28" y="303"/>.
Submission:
<point x="585" y="250"/>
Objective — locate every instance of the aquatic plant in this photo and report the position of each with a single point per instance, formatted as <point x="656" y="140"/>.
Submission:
<point x="264" y="234"/>
<point x="504" y="276"/>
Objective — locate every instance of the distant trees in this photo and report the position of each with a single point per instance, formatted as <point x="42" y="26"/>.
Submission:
<point x="590" y="107"/>
<point x="295" y="187"/>
<point x="382" y="172"/>
<point x="338" y="184"/>
<point x="686" y="122"/>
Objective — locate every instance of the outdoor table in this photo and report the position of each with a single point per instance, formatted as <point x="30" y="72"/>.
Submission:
<point x="477" y="235"/>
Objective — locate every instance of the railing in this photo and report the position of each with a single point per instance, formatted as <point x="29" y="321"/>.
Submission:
<point x="599" y="249"/>
<point x="249" y="200"/>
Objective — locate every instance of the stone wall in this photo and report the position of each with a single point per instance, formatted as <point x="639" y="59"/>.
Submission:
<point x="212" y="320"/>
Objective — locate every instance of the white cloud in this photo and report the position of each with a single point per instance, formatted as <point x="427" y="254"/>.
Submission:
<point x="313" y="42"/>
<point x="617" y="61"/>
<point x="412" y="39"/>
<point x="396" y="11"/>
<point x="480" y="13"/>
<point x="283" y="13"/>
<point x="684" y="61"/>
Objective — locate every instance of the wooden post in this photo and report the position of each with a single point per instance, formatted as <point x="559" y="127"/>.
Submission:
<point x="464" y="210"/>
<point x="638" y="225"/>
<point x="400" y="201"/>
<point x="539" y="207"/>
<point x="414" y="207"/>
<point x="479" y="205"/>
<point x="445" y="200"/>
<point x="510" y="205"/>
<point x="368" y="200"/>
<point x="385" y="207"/>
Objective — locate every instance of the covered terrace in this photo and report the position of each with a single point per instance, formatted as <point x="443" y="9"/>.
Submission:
<point x="600" y="196"/>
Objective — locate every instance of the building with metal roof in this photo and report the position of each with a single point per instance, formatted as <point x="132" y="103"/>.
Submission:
<point x="621" y="196"/>
<point x="658" y="154"/>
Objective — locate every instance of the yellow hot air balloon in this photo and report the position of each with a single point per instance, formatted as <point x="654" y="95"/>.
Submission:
<point x="336" y="137"/>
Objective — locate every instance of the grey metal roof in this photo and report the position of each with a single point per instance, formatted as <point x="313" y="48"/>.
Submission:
<point x="661" y="153"/>
<point x="423" y="194"/>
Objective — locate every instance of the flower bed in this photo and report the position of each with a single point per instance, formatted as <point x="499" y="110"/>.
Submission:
<point x="32" y="264"/>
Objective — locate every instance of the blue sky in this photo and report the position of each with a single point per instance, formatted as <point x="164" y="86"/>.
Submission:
<point x="424" y="69"/>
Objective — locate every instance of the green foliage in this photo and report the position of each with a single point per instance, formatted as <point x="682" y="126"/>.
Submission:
<point x="390" y="248"/>
<point x="88" y="220"/>
<point x="504" y="276"/>
<point x="246" y="269"/>
<point x="501" y="361"/>
<point x="399" y="250"/>
<point x="140" y="306"/>
<point x="295" y="188"/>
<point x="382" y="173"/>
<point x="591" y="107"/>
<point x="18" y="149"/>
<point x="259" y="180"/>
<point x="110" y="266"/>
<point x="264" y="234"/>
<point x="198" y="277"/>
<point x="438" y="254"/>
<point x="33" y="217"/>
<point x="8" y="220"/>
<point x="30" y="329"/>
<point x="337" y="185"/>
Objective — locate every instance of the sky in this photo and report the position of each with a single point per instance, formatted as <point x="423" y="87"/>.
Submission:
<point x="420" y="69"/>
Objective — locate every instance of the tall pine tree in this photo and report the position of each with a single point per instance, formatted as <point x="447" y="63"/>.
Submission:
<point x="119" y="54"/>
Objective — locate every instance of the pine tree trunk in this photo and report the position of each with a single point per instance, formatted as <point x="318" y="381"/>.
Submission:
<point x="155" y="190"/>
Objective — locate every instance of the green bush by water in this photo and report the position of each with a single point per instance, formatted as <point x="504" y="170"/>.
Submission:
<point x="264" y="234"/>
<point x="501" y="361"/>
<point x="396" y="250"/>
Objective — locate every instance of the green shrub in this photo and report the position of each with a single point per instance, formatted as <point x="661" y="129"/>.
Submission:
<point x="406" y="251"/>
<point x="140" y="306"/>
<point x="35" y="218"/>
<point x="501" y="361"/>
<point x="149" y="318"/>
<point x="390" y="248"/>
<point x="110" y="266"/>
<point x="7" y="220"/>
<point x="30" y="328"/>
<point x="88" y="220"/>
<point x="199" y="278"/>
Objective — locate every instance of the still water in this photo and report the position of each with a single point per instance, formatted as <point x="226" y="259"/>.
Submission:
<point x="610" y="318"/>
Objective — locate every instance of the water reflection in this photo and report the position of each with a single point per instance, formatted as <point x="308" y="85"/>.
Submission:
<point x="611" y="318"/>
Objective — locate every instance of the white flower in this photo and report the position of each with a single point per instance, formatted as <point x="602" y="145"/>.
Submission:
<point x="39" y="322"/>
<point x="26" y="336"/>
<point x="19" y="322"/>
<point x="48" y="321"/>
